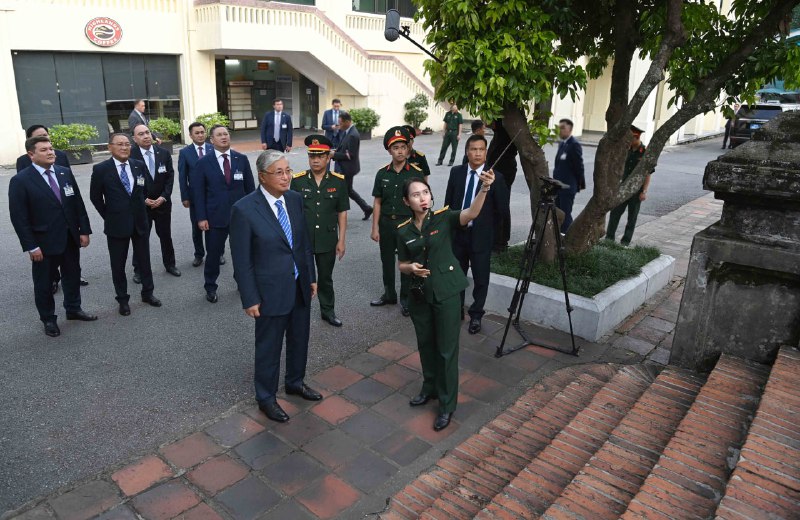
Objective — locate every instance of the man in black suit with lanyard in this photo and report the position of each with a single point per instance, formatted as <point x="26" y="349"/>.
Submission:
<point x="158" y="163"/>
<point x="472" y="245"/>
<point x="49" y="217"/>
<point x="118" y="189"/>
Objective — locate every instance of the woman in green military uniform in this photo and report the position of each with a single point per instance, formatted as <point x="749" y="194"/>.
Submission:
<point x="425" y="252"/>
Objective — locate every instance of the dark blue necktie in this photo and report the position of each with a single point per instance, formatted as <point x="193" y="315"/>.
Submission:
<point x="470" y="189"/>
<point x="123" y="176"/>
<point x="283" y="219"/>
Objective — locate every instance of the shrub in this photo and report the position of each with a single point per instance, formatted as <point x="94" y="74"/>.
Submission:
<point x="166" y="127"/>
<point x="73" y="137"/>
<point x="415" y="110"/>
<point x="215" y="118"/>
<point x="365" y="119"/>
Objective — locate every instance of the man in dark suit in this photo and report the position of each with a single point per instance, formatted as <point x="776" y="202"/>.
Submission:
<point x="273" y="264"/>
<point x="219" y="180"/>
<point x="347" y="162"/>
<point x="24" y="161"/>
<point x="330" y="123"/>
<point x="569" y="170"/>
<point x="118" y="189"/>
<point x="138" y="116"/>
<point x="158" y="163"/>
<point x="472" y="245"/>
<point x="187" y="161"/>
<point x="50" y="220"/>
<point x="276" y="129"/>
<point x="502" y="154"/>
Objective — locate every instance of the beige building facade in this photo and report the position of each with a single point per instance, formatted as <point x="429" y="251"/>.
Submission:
<point x="86" y="61"/>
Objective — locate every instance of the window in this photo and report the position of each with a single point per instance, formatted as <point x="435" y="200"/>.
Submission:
<point x="406" y="8"/>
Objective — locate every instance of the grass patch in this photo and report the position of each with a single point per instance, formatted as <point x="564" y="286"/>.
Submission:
<point x="587" y="274"/>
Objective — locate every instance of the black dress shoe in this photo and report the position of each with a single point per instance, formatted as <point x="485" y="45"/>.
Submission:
<point x="442" y="421"/>
<point x="474" y="325"/>
<point x="55" y="287"/>
<point x="222" y="260"/>
<point x="420" y="399"/>
<point x="307" y="393"/>
<point x="151" y="300"/>
<point x="439" y="163"/>
<point x="51" y="329"/>
<point x="450" y="164"/>
<point x="197" y="261"/>
<point x="404" y="310"/>
<point x="333" y="320"/>
<point x="124" y="309"/>
<point x="84" y="283"/>
<point x="80" y="316"/>
<point x="367" y="214"/>
<point x="383" y="300"/>
<point x="273" y="411"/>
<point x="211" y="297"/>
<point x="173" y="270"/>
<point x="137" y="278"/>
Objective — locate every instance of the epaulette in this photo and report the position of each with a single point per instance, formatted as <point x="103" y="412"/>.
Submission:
<point x="299" y="174"/>
<point x="403" y="223"/>
<point x="419" y="153"/>
<point x="441" y="210"/>
<point x="413" y="165"/>
<point x="387" y="167"/>
<point x="337" y="175"/>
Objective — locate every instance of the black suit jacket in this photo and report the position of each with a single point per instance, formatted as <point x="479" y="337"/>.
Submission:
<point x="263" y="261"/>
<point x="268" y="130"/>
<point x="569" y="165"/>
<point x="481" y="234"/>
<point x="164" y="180"/>
<point x="39" y="219"/>
<point x="211" y="197"/>
<point x="23" y="161"/>
<point x="187" y="160"/>
<point x="123" y="214"/>
<point x="346" y="155"/>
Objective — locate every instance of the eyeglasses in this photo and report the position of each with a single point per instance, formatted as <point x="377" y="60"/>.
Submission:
<point x="122" y="145"/>
<point x="280" y="173"/>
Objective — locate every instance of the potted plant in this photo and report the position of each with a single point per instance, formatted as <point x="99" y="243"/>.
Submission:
<point x="365" y="119"/>
<point x="415" y="111"/>
<point x="212" y="119"/>
<point x="168" y="130"/>
<point x="74" y="140"/>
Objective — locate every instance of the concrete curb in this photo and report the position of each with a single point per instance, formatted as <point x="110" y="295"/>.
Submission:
<point x="592" y="318"/>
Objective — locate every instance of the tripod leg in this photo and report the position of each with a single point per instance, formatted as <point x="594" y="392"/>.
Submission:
<point x="562" y="266"/>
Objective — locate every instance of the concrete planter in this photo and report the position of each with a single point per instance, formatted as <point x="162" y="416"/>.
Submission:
<point x="592" y="318"/>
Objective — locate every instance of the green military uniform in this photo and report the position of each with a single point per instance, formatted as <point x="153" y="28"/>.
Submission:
<point x="415" y="156"/>
<point x="436" y="318"/>
<point x="452" y="122"/>
<point x="632" y="204"/>
<point x="389" y="188"/>
<point x="322" y="204"/>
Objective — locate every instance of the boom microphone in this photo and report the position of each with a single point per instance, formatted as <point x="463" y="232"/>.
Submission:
<point x="392" y="30"/>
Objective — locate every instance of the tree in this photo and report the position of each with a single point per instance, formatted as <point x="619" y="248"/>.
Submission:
<point x="501" y="57"/>
<point x="415" y="110"/>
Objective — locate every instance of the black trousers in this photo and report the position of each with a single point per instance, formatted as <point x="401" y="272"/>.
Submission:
<point x="215" y="243"/>
<point x="564" y="201"/>
<point x="354" y="196"/>
<point x="197" y="235"/>
<point x="118" y="254"/>
<point x="480" y="264"/>
<point x="69" y="263"/>
<point x="163" y="225"/>
<point x="502" y="232"/>
<point x="270" y="332"/>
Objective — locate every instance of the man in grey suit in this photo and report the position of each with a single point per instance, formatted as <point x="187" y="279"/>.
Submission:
<point x="346" y="157"/>
<point x="138" y="116"/>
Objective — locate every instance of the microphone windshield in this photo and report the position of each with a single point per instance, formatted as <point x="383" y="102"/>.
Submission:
<point x="392" y="30"/>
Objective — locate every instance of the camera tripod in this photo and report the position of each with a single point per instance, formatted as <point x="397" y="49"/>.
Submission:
<point x="533" y="246"/>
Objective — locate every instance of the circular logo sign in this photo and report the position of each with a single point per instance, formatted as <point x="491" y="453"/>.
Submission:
<point x="103" y="32"/>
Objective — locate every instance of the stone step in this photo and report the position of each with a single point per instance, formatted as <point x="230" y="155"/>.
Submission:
<point x="766" y="481"/>
<point x="544" y="478"/>
<point x="420" y="494"/>
<point x="487" y="477"/>
<point x="690" y="477"/>
<point x="614" y="474"/>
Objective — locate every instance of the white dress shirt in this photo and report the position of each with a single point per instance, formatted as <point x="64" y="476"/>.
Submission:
<point x="271" y="203"/>
<point x="127" y="170"/>
<point x="471" y="196"/>
<point x="277" y="133"/>
<point x="220" y="160"/>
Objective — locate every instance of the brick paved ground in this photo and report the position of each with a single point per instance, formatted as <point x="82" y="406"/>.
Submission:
<point x="345" y="456"/>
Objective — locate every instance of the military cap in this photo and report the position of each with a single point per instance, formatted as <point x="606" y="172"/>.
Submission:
<point x="396" y="134"/>
<point x="411" y="131"/>
<point x="318" y="144"/>
<point x="636" y="130"/>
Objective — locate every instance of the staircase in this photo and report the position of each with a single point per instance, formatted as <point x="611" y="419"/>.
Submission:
<point x="629" y="442"/>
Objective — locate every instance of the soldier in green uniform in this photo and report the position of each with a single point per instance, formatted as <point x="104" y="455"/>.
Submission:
<point x="452" y="133"/>
<point x="415" y="156"/>
<point x="633" y="204"/>
<point x="425" y="252"/>
<point x="390" y="211"/>
<point x="325" y="202"/>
